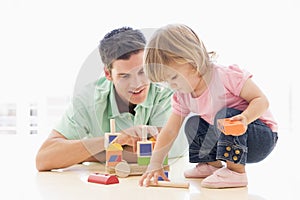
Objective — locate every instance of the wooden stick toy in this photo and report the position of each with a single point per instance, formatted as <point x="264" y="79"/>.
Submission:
<point x="185" y="185"/>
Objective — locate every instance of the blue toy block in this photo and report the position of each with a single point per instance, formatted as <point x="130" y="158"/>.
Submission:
<point x="160" y="178"/>
<point x="111" y="138"/>
<point x="145" y="149"/>
<point x="115" y="158"/>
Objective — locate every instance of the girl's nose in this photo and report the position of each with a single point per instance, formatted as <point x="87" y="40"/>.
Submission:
<point x="173" y="85"/>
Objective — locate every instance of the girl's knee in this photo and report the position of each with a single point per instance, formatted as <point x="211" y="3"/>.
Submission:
<point x="191" y="124"/>
<point x="221" y="113"/>
<point x="193" y="120"/>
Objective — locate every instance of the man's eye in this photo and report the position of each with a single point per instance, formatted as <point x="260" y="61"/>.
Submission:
<point x="124" y="76"/>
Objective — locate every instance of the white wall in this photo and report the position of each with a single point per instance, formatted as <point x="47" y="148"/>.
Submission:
<point x="43" y="44"/>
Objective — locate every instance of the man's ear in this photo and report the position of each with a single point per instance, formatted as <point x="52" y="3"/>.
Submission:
<point x="107" y="74"/>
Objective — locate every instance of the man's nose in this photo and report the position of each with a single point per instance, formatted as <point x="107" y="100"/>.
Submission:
<point x="138" y="81"/>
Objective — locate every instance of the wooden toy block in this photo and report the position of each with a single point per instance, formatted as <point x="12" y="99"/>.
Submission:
<point x="109" y="137"/>
<point x="146" y="161"/>
<point x="113" y="154"/>
<point x="153" y="140"/>
<point x="122" y="169"/>
<point x="143" y="160"/>
<point x="144" y="149"/>
<point x="103" y="179"/>
<point x="231" y="127"/>
<point x="161" y="178"/>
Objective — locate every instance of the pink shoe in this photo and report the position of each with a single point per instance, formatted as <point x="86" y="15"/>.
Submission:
<point x="225" y="178"/>
<point x="202" y="170"/>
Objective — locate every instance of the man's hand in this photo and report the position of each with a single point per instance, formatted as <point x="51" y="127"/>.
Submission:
<point x="131" y="135"/>
<point x="124" y="139"/>
<point x="136" y="131"/>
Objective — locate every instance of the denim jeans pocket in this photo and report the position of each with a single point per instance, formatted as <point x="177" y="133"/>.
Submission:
<point x="228" y="151"/>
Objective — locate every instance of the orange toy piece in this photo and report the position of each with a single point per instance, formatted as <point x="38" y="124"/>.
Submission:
<point x="231" y="127"/>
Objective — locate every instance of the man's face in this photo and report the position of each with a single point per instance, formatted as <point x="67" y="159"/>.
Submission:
<point x="129" y="79"/>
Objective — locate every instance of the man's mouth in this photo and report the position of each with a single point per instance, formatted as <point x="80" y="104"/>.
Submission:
<point x="137" y="91"/>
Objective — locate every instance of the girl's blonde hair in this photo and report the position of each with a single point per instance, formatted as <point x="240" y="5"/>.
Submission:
<point x="174" y="43"/>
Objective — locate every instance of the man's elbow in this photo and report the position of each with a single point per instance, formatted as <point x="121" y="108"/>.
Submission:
<point x="41" y="164"/>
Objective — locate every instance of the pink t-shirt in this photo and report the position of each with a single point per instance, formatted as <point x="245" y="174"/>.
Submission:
<point x="223" y="91"/>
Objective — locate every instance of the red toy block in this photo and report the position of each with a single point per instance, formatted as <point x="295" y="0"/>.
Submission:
<point x="105" y="179"/>
<point x="231" y="127"/>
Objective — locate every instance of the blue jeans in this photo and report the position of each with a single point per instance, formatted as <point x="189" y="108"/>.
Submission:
<point x="207" y="143"/>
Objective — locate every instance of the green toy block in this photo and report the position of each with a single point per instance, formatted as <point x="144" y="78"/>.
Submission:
<point x="143" y="160"/>
<point x="165" y="161"/>
<point x="146" y="161"/>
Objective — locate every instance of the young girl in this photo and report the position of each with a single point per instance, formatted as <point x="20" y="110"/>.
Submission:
<point x="177" y="56"/>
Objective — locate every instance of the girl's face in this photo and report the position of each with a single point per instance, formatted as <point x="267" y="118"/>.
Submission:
<point x="183" y="77"/>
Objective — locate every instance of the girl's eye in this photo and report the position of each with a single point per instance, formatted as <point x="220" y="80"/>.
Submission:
<point x="174" y="77"/>
<point x="141" y="72"/>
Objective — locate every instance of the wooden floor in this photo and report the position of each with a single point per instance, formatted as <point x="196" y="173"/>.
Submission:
<point x="275" y="178"/>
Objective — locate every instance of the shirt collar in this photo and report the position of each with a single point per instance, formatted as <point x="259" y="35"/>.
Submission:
<point x="146" y="104"/>
<point x="113" y="103"/>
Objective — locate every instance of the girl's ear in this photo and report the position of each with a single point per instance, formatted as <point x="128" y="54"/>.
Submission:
<point x="107" y="74"/>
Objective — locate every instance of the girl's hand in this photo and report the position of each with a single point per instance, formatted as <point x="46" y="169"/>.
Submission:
<point x="242" y="118"/>
<point x="152" y="176"/>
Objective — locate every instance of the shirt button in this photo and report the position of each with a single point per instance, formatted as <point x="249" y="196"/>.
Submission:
<point x="237" y="152"/>
<point x="226" y="154"/>
<point x="235" y="158"/>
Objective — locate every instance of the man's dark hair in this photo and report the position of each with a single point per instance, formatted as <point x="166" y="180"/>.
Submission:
<point x="120" y="43"/>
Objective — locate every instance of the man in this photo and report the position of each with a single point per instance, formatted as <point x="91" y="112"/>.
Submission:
<point x="123" y="94"/>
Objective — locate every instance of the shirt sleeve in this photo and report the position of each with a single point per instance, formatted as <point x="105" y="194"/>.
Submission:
<point x="235" y="78"/>
<point x="179" y="106"/>
<point x="74" y="123"/>
<point x="162" y="108"/>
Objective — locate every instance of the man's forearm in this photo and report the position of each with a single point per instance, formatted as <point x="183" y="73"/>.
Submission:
<point x="60" y="153"/>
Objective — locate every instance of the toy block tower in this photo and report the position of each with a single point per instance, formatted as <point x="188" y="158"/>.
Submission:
<point x="144" y="149"/>
<point x="113" y="150"/>
<point x="109" y="137"/>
